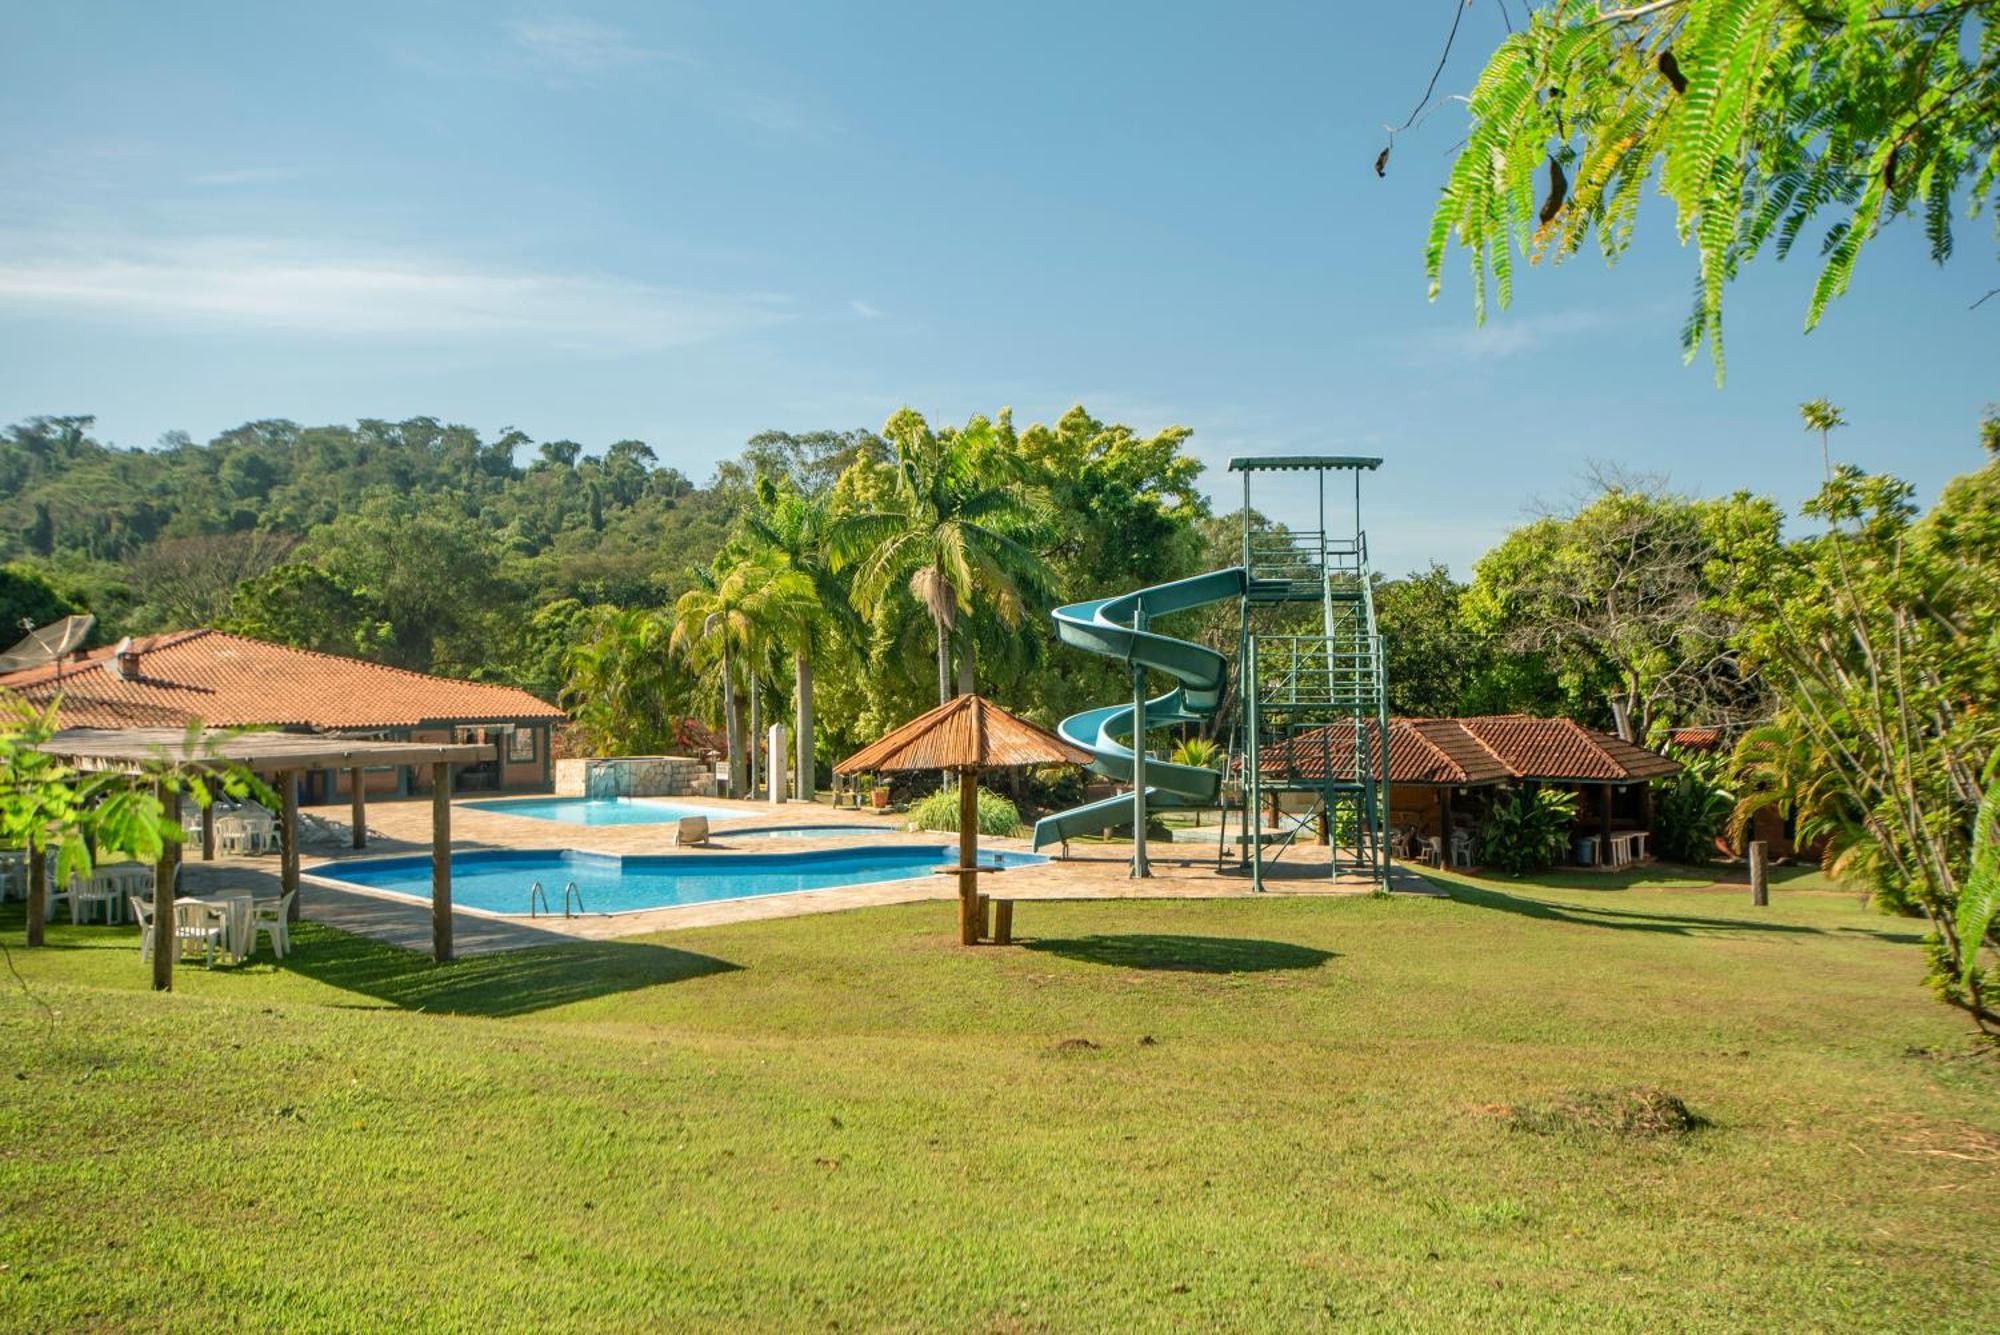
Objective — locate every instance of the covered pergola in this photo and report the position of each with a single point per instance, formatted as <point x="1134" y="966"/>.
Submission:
<point x="279" y="758"/>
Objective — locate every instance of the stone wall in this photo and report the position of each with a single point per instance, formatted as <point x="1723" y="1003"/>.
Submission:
<point x="633" y="776"/>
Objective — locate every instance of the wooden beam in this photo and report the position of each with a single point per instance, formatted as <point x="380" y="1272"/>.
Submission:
<point x="357" y="805"/>
<point x="288" y="838"/>
<point x="163" y="898"/>
<point x="441" y="862"/>
<point x="208" y="833"/>
<point x="968" y="857"/>
<point x="1604" y="827"/>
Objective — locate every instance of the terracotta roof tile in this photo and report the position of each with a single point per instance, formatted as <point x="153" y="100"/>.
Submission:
<point x="1472" y="751"/>
<point x="230" y="681"/>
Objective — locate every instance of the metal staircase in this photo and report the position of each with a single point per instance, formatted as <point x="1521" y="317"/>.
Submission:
<point x="1313" y="708"/>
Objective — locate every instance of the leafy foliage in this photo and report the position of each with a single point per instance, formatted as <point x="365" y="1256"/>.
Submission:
<point x="1528" y="830"/>
<point x="1690" y="810"/>
<point x="1881" y="638"/>
<point x="939" y="811"/>
<point x="1754" y="116"/>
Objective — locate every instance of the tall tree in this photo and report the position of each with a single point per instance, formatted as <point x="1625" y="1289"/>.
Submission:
<point x="1756" y="117"/>
<point x="796" y="527"/>
<point x="732" y="616"/>
<point x="954" y="530"/>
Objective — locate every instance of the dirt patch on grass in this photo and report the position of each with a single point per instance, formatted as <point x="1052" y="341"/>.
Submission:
<point x="1643" y="1113"/>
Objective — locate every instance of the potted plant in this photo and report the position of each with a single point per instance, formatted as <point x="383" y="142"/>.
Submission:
<point x="878" y="794"/>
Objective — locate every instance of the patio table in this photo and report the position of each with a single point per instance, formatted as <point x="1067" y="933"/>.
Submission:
<point x="235" y="909"/>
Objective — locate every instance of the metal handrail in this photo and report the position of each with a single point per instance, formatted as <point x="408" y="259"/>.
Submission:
<point x="569" y="890"/>
<point x="537" y="894"/>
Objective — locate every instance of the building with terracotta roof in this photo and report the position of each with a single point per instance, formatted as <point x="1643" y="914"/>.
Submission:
<point x="1445" y="772"/>
<point x="229" y="681"/>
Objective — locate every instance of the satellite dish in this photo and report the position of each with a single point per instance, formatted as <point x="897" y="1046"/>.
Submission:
<point x="51" y="644"/>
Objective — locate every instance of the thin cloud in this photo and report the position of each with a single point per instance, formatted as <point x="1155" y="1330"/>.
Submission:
<point x="864" y="310"/>
<point x="581" y="48"/>
<point x="245" y="176"/>
<point x="246" y="286"/>
<point x="1509" y="336"/>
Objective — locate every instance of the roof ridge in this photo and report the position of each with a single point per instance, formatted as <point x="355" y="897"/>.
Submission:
<point x="1465" y="725"/>
<point x="1413" y="726"/>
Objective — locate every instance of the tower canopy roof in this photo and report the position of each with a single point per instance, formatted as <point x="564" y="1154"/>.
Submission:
<point x="1294" y="463"/>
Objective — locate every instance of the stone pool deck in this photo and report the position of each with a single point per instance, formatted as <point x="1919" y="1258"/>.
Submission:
<point x="1095" y="871"/>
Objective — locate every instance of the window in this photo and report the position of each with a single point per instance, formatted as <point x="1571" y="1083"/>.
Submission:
<point x="521" y="746"/>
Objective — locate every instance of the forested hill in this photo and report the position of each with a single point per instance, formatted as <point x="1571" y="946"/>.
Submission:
<point x="418" y="542"/>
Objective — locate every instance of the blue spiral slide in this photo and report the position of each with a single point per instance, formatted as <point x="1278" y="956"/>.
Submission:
<point x="1115" y="628"/>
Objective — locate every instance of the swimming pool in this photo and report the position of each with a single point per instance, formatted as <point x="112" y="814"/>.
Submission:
<point x="499" y="880"/>
<point x="602" y="810"/>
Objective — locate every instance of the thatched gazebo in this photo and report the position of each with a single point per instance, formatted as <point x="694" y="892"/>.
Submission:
<point x="969" y="736"/>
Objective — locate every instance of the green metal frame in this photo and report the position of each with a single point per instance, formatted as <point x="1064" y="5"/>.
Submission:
<point x="1291" y="686"/>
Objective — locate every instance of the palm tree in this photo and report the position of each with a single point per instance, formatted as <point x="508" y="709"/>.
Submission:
<point x="621" y="684"/>
<point x="1822" y="416"/>
<point x="737" y="610"/>
<point x="954" y="532"/>
<point x="797" y="527"/>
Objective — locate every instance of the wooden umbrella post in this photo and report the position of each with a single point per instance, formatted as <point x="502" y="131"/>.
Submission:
<point x="968" y="856"/>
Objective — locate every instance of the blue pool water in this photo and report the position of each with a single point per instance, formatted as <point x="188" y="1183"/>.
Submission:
<point x="602" y="810"/>
<point x="498" y="881"/>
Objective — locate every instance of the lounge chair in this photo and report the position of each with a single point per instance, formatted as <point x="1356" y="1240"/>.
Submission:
<point x="693" y="832"/>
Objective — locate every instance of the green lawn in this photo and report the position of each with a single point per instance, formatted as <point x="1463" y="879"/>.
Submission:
<point x="1239" y="1114"/>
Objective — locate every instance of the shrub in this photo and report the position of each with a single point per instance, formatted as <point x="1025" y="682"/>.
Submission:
<point x="1690" y="811"/>
<point x="1528" y="831"/>
<point x="939" y="811"/>
<point x="1200" y="752"/>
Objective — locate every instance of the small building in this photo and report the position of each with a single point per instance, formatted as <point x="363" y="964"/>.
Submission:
<point x="229" y="681"/>
<point x="1444" y="773"/>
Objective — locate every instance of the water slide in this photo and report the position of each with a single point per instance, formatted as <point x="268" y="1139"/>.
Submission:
<point x="1113" y="627"/>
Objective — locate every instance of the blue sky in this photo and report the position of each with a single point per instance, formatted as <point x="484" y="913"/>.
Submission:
<point x="691" y="223"/>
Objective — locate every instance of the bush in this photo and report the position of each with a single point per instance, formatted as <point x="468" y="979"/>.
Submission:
<point x="1690" y="811"/>
<point x="1528" y="831"/>
<point x="939" y="811"/>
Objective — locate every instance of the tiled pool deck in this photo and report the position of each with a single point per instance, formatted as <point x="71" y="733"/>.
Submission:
<point x="1096" y="871"/>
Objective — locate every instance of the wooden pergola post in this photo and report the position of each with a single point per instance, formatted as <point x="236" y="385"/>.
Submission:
<point x="1604" y="827"/>
<point x="441" y="862"/>
<point x="357" y="806"/>
<point x="288" y="838"/>
<point x="968" y="857"/>
<point x="163" y="898"/>
<point x="208" y="833"/>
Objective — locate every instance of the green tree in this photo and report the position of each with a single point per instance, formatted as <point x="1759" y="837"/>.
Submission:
<point x="624" y="688"/>
<point x="954" y="531"/>
<point x="1880" y="636"/>
<point x="730" y="620"/>
<point x="301" y="605"/>
<point x="1434" y="654"/>
<point x="1755" y="116"/>
<point x="796" y="527"/>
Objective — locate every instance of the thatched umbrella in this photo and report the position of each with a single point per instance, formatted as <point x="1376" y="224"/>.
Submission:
<point x="968" y="735"/>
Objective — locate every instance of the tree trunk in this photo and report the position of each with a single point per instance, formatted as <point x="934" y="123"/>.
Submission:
<point x="966" y="666"/>
<point x="756" y="740"/>
<point x="944" y="661"/>
<point x="732" y="733"/>
<point x="808" y="783"/>
<point x="38" y="894"/>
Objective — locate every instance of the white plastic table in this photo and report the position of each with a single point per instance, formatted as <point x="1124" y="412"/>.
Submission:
<point x="236" y="919"/>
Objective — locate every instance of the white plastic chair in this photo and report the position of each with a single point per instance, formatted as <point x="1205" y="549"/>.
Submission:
<point x="56" y="892"/>
<point x="272" y="917"/>
<point x="87" y="896"/>
<point x="142" y="913"/>
<point x="199" y="925"/>
<point x="692" y="832"/>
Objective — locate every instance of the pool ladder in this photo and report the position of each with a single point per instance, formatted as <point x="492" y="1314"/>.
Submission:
<point x="538" y="899"/>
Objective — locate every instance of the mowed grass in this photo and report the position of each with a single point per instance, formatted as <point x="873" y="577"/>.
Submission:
<point x="1238" y="1114"/>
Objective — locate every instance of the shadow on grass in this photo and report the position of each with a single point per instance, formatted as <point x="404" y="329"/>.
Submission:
<point x="513" y="982"/>
<point x="1632" y="920"/>
<point x="1184" y="954"/>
